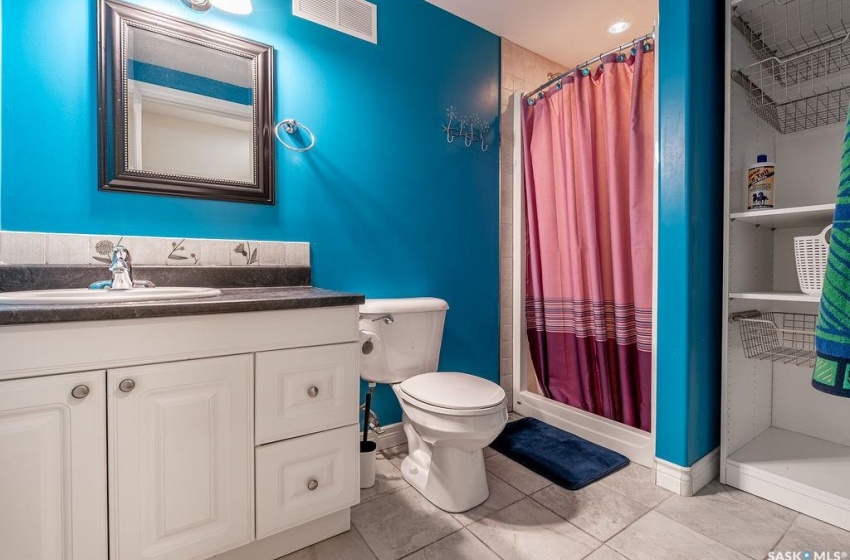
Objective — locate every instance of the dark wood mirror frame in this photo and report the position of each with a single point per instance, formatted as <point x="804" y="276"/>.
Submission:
<point x="114" y="172"/>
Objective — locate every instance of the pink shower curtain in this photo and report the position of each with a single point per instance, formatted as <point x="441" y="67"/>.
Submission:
<point x="588" y="160"/>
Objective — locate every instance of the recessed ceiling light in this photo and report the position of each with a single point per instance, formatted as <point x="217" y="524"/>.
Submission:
<point x="197" y="5"/>
<point x="618" y="27"/>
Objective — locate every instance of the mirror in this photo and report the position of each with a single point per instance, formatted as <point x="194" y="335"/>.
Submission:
<point x="184" y="110"/>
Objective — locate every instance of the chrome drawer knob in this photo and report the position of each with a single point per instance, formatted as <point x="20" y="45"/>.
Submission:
<point x="80" y="391"/>
<point x="312" y="485"/>
<point x="313" y="391"/>
<point x="127" y="385"/>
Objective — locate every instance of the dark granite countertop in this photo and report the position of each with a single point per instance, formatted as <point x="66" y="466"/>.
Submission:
<point x="232" y="299"/>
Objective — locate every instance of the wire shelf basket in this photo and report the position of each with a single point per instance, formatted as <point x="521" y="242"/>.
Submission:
<point x="788" y="338"/>
<point x="801" y="77"/>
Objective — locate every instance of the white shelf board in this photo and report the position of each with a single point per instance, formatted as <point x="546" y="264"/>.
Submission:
<point x="801" y="471"/>
<point x="775" y="296"/>
<point x="799" y="216"/>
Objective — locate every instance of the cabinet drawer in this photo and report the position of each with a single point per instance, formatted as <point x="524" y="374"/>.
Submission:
<point x="306" y="478"/>
<point x="306" y="390"/>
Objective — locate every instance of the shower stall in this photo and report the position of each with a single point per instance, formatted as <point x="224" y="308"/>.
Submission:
<point x="583" y="323"/>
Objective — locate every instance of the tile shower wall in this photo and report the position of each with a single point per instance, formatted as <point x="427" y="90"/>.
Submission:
<point x="522" y="70"/>
<point x="96" y="250"/>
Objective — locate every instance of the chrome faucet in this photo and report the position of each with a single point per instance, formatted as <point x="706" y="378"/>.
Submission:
<point x="121" y="268"/>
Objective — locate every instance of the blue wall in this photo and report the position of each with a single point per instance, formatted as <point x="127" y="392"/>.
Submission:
<point x="690" y="236"/>
<point x="1" y="113"/>
<point x="389" y="207"/>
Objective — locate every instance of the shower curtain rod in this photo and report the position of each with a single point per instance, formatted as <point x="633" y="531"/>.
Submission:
<point x="650" y="35"/>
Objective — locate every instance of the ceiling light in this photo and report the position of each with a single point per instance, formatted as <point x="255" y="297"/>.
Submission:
<point x="241" y="7"/>
<point x="615" y="28"/>
<point x="197" y="5"/>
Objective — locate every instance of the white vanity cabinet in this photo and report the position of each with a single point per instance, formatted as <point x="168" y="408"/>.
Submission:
<point x="230" y="436"/>
<point x="53" y="468"/>
<point x="180" y="447"/>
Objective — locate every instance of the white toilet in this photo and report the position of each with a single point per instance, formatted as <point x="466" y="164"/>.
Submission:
<point x="448" y="417"/>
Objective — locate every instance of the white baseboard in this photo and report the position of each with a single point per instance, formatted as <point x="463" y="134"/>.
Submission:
<point x="393" y="435"/>
<point x="687" y="481"/>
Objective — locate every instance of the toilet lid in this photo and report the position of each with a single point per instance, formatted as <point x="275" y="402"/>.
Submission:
<point x="452" y="390"/>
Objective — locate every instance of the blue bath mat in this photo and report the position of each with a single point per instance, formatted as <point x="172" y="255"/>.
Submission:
<point x="565" y="459"/>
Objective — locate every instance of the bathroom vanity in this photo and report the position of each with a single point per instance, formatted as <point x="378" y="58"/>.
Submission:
<point x="192" y="429"/>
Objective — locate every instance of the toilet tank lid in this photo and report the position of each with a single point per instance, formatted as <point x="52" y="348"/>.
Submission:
<point x="403" y="305"/>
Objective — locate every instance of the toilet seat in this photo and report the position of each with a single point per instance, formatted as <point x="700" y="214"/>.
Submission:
<point x="452" y="393"/>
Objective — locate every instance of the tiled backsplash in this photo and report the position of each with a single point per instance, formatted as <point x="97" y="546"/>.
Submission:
<point x="96" y="250"/>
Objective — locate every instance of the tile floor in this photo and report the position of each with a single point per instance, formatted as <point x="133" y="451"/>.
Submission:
<point x="624" y="516"/>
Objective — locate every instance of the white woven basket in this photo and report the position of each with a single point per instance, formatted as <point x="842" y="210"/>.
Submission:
<point x="811" y="252"/>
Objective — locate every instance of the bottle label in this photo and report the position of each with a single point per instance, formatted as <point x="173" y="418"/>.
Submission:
<point x="760" y="187"/>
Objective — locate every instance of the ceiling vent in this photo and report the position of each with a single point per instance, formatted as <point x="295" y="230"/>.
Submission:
<point x="354" y="17"/>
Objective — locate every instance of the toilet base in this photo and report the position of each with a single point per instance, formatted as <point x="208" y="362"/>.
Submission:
<point x="452" y="479"/>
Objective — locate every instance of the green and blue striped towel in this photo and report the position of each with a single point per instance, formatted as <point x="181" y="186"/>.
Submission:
<point x="832" y="334"/>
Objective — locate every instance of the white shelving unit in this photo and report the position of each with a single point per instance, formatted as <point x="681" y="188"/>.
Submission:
<point x="780" y="438"/>
<point x="775" y="296"/>
<point x="799" y="470"/>
<point x="798" y="216"/>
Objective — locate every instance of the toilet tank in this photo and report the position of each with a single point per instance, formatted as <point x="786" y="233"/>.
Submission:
<point x="400" y="338"/>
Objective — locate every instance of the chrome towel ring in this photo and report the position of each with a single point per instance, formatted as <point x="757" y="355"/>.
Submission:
<point x="290" y="126"/>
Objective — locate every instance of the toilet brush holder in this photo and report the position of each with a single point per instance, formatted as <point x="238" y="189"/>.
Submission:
<point x="367" y="463"/>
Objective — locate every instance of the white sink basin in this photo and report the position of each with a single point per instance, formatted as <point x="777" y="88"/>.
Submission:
<point x="85" y="295"/>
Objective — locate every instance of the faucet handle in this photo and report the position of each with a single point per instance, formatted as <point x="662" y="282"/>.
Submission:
<point x="121" y="269"/>
<point x="121" y="253"/>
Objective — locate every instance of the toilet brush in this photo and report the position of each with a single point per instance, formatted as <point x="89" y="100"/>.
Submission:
<point x="367" y="409"/>
<point x="367" y="448"/>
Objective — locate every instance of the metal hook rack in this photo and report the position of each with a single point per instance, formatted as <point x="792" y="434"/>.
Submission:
<point x="291" y="126"/>
<point x="471" y="128"/>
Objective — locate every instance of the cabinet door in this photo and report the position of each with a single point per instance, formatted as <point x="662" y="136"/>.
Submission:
<point x="53" y="468"/>
<point x="180" y="458"/>
<point x="306" y="390"/>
